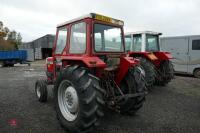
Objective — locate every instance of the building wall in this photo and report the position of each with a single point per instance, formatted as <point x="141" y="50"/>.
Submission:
<point x="44" y="42"/>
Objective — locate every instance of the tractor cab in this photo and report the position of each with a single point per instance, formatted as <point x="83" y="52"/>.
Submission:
<point x="93" y="41"/>
<point x="146" y="41"/>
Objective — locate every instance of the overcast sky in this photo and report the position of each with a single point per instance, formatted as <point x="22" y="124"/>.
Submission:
<point x="35" y="18"/>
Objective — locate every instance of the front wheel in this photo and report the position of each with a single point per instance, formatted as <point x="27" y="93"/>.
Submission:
<point x="78" y="99"/>
<point x="41" y="90"/>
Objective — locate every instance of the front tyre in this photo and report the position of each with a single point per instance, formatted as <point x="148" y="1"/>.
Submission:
<point x="41" y="90"/>
<point x="78" y="99"/>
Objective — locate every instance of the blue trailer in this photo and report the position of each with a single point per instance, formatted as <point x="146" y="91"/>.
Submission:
<point x="9" y="58"/>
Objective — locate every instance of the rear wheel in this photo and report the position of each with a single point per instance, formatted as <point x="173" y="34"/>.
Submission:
<point x="166" y="73"/>
<point x="197" y="73"/>
<point x="133" y="83"/>
<point x="78" y="99"/>
<point x="41" y="90"/>
<point x="150" y="73"/>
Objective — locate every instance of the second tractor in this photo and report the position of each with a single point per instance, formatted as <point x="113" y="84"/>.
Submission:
<point x="157" y="64"/>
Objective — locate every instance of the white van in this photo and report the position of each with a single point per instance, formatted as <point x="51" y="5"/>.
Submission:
<point x="186" y="51"/>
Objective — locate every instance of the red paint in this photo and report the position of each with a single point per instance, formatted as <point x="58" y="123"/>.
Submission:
<point x="161" y="56"/>
<point x="125" y="64"/>
<point x="90" y="62"/>
<point x="49" y="62"/>
<point x="12" y="122"/>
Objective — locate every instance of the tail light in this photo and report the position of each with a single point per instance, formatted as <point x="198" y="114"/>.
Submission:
<point x="49" y="60"/>
<point x="49" y="63"/>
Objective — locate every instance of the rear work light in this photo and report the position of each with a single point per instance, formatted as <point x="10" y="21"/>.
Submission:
<point x="49" y="60"/>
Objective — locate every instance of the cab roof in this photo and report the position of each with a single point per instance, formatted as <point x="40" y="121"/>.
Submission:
<point x="94" y="16"/>
<point x="143" y="32"/>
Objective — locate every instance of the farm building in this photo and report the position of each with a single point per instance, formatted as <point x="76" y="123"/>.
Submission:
<point x="41" y="47"/>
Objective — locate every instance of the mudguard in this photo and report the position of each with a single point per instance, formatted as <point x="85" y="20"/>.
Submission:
<point x="125" y="64"/>
<point x="90" y="62"/>
<point x="148" y="55"/>
<point x="163" y="55"/>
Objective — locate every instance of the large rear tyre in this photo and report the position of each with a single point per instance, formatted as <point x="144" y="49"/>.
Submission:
<point x="133" y="83"/>
<point x="41" y="90"/>
<point x="78" y="100"/>
<point x="166" y="73"/>
<point x="150" y="73"/>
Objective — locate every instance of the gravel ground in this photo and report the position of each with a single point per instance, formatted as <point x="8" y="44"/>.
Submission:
<point x="171" y="109"/>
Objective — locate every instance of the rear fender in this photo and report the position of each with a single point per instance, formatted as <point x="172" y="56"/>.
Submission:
<point x="125" y="64"/>
<point x="91" y="62"/>
<point x="148" y="55"/>
<point x="163" y="55"/>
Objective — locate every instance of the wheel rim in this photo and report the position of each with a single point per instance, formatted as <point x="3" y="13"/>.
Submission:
<point x="197" y="74"/>
<point x="38" y="91"/>
<point x="68" y="101"/>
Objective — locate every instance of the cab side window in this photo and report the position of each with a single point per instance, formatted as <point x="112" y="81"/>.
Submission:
<point x="61" y="40"/>
<point x="137" y="43"/>
<point x="128" y="42"/>
<point x="78" y="38"/>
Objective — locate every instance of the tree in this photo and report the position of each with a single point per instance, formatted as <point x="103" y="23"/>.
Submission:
<point x="9" y="38"/>
<point x="19" y="39"/>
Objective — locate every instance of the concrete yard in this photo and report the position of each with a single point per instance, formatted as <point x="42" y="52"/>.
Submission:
<point x="174" y="108"/>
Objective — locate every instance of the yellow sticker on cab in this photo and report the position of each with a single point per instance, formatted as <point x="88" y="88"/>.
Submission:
<point x="103" y="18"/>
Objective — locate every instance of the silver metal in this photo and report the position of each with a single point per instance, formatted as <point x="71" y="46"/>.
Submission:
<point x="143" y="48"/>
<point x="143" y="32"/>
<point x="68" y="101"/>
<point x="38" y="91"/>
<point x="186" y="60"/>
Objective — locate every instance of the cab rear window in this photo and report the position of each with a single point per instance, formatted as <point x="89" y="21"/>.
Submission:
<point x="61" y="41"/>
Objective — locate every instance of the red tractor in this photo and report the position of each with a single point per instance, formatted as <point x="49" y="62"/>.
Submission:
<point x="90" y="71"/>
<point x="156" y="64"/>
